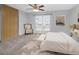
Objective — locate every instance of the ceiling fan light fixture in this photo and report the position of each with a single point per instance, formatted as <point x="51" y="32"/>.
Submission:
<point x="35" y="10"/>
<point x="37" y="7"/>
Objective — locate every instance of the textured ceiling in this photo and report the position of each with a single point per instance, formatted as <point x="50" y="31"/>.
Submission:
<point x="48" y="7"/>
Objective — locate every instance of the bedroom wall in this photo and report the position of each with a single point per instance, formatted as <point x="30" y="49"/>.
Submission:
<point x="23" y="19"/>
<point x="71" y="17"/>
<point x="56" y="28"/>
<point x="53" y="28"/>
<point x="74" y="14"/>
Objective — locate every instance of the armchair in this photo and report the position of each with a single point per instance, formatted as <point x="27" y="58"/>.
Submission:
<point x="28" y="29"/>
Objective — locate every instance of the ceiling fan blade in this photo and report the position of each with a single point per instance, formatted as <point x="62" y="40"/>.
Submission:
<point x="42" y="9"/>
<point x="31" y="5"/>
<point x="41" y="6"/>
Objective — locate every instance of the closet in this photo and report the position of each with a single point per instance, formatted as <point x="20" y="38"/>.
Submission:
<point x="9" y="23"/>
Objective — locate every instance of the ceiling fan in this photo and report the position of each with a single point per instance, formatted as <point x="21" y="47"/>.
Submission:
<point x="37" y="7"/>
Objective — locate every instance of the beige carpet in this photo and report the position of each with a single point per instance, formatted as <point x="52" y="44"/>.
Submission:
<point x="24" y="45"/>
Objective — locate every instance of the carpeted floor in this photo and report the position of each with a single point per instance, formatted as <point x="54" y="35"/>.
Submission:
<point x="25" y="45"/>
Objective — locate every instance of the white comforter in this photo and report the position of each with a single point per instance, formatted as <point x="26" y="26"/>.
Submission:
<point x="60" y="42"/>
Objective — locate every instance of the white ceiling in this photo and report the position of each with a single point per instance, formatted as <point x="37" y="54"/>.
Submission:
<point x="48" y="7"/>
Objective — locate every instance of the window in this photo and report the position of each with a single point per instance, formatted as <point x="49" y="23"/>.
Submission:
<point x="42" y="23"/>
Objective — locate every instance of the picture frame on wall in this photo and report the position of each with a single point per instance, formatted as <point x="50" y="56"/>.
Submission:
<point x="60" y="20"/>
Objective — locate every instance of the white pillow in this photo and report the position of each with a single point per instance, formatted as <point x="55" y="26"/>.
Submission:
<point x="42" y="37"/>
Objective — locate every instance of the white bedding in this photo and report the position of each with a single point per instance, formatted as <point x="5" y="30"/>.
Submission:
<point x="60" y="42"/>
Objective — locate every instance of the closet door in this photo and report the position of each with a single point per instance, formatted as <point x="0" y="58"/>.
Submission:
<point x="10" y="22"/>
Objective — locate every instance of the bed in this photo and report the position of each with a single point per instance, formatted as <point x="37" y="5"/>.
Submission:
<point x="59" y="42"/>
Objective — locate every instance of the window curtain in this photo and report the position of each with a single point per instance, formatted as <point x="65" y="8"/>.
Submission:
<point x="42" y="23"/>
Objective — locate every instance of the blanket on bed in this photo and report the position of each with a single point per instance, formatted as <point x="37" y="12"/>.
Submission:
<point x="60" y="42"/>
